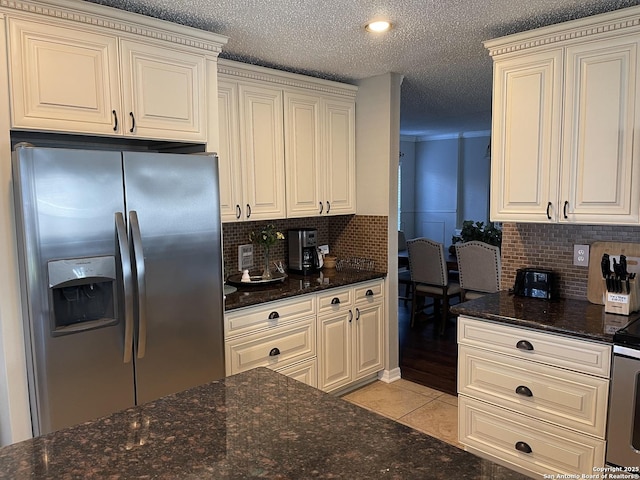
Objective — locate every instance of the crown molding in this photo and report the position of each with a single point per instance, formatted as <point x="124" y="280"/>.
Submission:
<point x="617" y="22"/>
<point x="232" y="68"/>
<point x="95" y="15"/>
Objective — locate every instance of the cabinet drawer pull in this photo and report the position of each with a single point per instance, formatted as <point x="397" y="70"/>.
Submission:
<point x="357" y="314"/>
<point x="564" y="209"/>
<point x="115" y="120"/>
<point x="350" y="316"/>
<point x="238" y="211"/>
<point x="133" y="122"/>
<point x="274" y="352"/>
<point x="335" y="301"/>
<point x="548" y="208"/>
<point x="321" y="207"/>
<point x="274" y="315"/>
<point x="369" y="293"/>
<point x="248" y="210"/>
<point x="523" y="447"/>
<point x="524" y="391"/>
<point x="328" y="206"/>
<point x="524" y="345"/>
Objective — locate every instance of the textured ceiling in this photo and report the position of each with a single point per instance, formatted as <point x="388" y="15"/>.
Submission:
<point x="435" y="44"/>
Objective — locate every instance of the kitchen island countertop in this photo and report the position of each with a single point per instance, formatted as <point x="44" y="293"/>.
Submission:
<point x="576" y="318"/>
<point x="257" y="424"/>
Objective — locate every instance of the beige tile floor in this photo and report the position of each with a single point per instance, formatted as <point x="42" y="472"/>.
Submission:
<point x="423" y="408"/>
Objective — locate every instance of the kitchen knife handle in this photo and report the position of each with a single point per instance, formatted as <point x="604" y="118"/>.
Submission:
<point x="133" y="122"/>
<point x="115" y="120"/>
<point x="549" y="210"/>
<point x="564" y="208"/>
<point x="127" y="280"/>
<point x="138" y="259"/>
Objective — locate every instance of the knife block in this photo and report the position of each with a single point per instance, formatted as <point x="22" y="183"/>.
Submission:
<point x="621" y="303"/>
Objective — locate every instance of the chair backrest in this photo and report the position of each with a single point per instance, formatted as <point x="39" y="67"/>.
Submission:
<point x="427" y="263"/>
<point x="402" y="241"/>
<point x="479" y="266"/>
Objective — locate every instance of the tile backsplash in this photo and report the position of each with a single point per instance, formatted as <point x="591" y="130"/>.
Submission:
<point x="551" y="247"/>
<point x="363" y="236"/>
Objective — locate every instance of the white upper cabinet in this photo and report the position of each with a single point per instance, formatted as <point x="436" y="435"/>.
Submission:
<point x="564" y="114"/>
<point x="287" y="144"/>
<point x="251" y="151"/>
<point x="89" y="74"/>
<point x="320" y="155"/>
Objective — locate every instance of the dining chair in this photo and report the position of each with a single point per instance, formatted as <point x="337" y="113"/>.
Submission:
<point x="479" y="269"/>
<point x="404" y="276"/>
<point x="430" y="278"/>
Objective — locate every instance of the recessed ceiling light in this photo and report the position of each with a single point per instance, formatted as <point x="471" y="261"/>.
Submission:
<point x="378" y="26"/>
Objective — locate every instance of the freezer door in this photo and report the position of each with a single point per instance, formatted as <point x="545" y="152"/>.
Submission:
<point x="65" y="203"/>
<point x="172" y="203"/>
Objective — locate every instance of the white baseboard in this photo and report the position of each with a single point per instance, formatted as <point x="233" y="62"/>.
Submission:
<point x="389" y="376"/>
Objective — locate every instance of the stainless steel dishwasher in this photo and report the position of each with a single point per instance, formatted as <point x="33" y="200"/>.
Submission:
<point x="623" y="428"/>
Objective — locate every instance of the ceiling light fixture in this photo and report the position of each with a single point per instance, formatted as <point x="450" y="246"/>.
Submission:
<point x="379" y="26"/>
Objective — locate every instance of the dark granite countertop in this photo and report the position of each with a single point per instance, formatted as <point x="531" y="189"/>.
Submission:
<point x="257" y="424"/>
<point x="576" y="318"/>
<point x="297" y="285"/>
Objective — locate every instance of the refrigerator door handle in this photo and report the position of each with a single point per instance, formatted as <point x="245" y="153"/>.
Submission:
<point x="127" y="280"/>
<point x="138" y="258"/>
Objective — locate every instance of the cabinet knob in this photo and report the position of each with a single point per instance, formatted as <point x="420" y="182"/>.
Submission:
<point x="274" y="315"/>
<point x="133" y="122"/>
<point x="524" y="345"/>
<point x="274" y="352"/>
<point x="335" y="301"/>
<point x="523" y="447"/>
<point x="524" y="391"/>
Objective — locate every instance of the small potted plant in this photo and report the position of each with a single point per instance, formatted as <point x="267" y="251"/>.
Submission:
<point x="477" y="231"/>
<point x="266" y="237"/>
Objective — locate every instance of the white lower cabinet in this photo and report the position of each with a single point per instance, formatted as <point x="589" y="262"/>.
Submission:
<point x="534" y="401"/>
<point x="350" y="337"/>
<point x="328" y="340"/>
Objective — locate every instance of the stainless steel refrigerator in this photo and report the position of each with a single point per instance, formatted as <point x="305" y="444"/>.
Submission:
<point x="121" y="270"/>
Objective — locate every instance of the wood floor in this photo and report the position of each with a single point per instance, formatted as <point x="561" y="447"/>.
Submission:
<point x="426" y="357"/>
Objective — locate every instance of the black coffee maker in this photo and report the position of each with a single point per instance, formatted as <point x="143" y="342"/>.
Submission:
<point x="303" y="251"/>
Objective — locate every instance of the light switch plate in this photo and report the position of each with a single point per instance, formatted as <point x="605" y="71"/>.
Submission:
<point x="245" y="257"/>
<point x="581" y="255"/>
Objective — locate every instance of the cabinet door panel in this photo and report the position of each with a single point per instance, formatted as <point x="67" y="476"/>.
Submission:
<point x="46" y="96"/>
<point x="339" y="152"/>
<point x="302" y="155"/>
<point x="164" y="90"/>
<point x="262" y="151"/>
<point x="229" y="169"/>
<point x="600" y="180"/>
<point x="368" y="348"/>
<point x="525" y="137"/>
<point x="334" y="351"/>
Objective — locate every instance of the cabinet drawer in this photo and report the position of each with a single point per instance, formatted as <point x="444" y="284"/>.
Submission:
<point x="270" y="314"/>
<point x="369" y="292"/>
<point x="335" y="300"/>
<point x="567" y="398"/>
<point x="557" y="350"/>
<point x="294" y="343"/>
<point x="554" y="450"/>
<point x="305" y="372"/>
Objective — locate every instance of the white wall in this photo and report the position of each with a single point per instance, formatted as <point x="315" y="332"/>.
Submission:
<point x="408" y="161"/>
<point x="474" y="178"/>
<point x="377" y="152"/>
<point x="15" y="421"/>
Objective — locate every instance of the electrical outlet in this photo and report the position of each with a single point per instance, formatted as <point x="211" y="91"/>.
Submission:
<point x="581" y="255"/>
<point x="245" y="257"/>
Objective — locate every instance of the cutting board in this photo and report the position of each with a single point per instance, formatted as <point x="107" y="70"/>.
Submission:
<point x="595" y="285"/>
